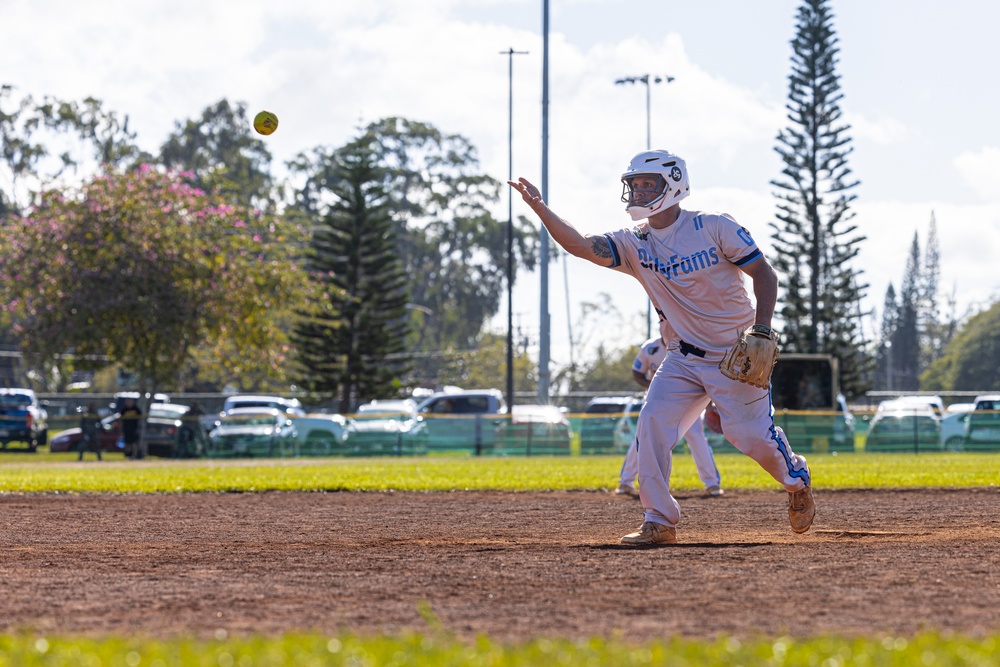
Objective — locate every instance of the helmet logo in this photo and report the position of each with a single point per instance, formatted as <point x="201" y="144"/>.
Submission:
<point x="675" y="174"/>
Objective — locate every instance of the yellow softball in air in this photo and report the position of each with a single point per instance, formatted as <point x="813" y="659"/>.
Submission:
<point x="265" y="122"/>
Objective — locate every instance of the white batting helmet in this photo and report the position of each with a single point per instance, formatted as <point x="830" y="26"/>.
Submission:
<point x="672" y="185"/>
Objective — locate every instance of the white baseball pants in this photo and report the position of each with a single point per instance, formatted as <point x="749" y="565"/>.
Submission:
<point x="680" y="390"/>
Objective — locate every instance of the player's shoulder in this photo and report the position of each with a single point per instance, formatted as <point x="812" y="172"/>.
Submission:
<point x="714" y="218"/>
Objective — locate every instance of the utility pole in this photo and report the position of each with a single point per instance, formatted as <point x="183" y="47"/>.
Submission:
<point x="510" y="53"/>
<point x="543" y="252"/>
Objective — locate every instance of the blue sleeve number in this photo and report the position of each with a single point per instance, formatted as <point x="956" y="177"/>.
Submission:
<point x="745" y="235"/>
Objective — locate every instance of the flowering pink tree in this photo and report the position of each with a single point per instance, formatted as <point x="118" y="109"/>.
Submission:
<point x="145" y="270"/>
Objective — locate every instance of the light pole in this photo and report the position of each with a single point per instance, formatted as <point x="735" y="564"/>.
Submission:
<point x="646" y="79"/>
<point x="510" y="53"/>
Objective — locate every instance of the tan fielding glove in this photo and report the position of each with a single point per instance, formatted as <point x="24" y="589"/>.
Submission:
<point x="753" y="357"/>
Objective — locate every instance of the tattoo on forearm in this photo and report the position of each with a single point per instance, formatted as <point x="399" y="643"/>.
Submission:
<point x="599" y="245"/>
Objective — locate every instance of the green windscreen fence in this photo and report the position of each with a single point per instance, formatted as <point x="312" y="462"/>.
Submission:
<point x="572" y="434"/>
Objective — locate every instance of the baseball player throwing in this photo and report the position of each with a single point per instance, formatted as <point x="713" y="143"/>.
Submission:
<point x="691" y="265"/>
<point x="649" y="358"/>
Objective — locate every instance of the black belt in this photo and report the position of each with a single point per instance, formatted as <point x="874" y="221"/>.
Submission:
<point x="687" y="349"/>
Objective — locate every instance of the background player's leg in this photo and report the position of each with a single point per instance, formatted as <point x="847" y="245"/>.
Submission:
<point x="629" y="471"/>
<point x="701" y="452"/>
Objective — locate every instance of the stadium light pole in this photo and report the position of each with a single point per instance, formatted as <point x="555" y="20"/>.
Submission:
<point x="646" y="80"/>
<point x="510" y="53"/>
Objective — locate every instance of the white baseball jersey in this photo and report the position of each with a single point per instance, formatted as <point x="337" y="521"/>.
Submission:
<point x="691" y="272"/>
<point x="650" y="357"/>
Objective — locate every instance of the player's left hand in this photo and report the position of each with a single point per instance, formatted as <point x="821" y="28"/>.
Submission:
<point x="752" y="358"/>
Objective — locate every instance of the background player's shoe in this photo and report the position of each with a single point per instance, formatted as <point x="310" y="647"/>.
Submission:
<point x="801" y="509"/>
<point x="625" y="490"/>
<point x="714" y="491"/>
<point x="650" y="533"/>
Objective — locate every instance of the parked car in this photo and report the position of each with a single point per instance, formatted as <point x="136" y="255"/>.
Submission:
<point x="119" y="399"/>
<point x="534" y="429"/>
<point x="624" y="432"/>
<point x="388" y="406"/>
<point x="953" y="426"/>
<point x="597" y="426"/>
<point x="463" y="420"/>
<point x="22" y="419"/>
<point x="320" y="434"/>
<point x="164" y="428"/>
<point x="904" y="425"/>
<point x="290" y="406"/>
<point x="108" y="437"/>
<point x="386" y="427"/>
<point x="934" y="402"/>
<point x="982" y="429"/>
<point x="253" y="432"/>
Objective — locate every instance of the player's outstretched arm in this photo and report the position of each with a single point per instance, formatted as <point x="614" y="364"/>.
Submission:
<point x="765" y="289"/>
<point x="592" y="248"/>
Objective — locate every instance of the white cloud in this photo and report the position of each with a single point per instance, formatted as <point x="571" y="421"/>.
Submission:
<point x="981" y="171"/>
<point x="884" y="131"/>
<point x="328" y="67"/>
<point x="967" y="239"/>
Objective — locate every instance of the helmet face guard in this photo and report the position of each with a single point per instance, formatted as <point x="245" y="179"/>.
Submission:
<point x="670" y="172"/>
<point x="647" y="197"/>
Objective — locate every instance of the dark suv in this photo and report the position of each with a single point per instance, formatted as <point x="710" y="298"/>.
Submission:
<point x="23" y="419"/>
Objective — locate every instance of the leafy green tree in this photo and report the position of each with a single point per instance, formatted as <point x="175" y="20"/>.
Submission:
<point x="142" y="269"/>
<point x="972" y="358"/>
<point x="449" y="242"/>
<point x="485" y="367"/>
<point x="31" y="131"/>
<point x="224" y="155"/>
<point x="111" y="141"/>
<point x="609" y="370"/>
<point x="603" y="364"/>
<point x="815" y="242"/>
<point x="21" y="149"/>
<point x="353" y="341"/>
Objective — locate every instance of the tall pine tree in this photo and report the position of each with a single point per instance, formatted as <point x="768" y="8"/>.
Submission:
<point x="906" y="337"/>
<point x="935" y="329"/>
<point x="815" y="243"/>
<point x="890" y="320"/>
<point x="353" y="343"/>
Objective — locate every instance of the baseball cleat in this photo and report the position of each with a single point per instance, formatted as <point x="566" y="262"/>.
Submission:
<point x="625" y="490"/>
<point x="714" y="491"/>
<point x="801" y="509"/>
<point x="651" y="533"/>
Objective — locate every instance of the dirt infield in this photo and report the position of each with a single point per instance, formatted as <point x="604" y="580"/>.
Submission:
<point x="514" y="566"/>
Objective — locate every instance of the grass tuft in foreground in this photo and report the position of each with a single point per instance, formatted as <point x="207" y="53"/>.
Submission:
<point x="927" y="650"/>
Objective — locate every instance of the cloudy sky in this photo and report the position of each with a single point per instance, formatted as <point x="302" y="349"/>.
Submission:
<point x="918" y="77"/>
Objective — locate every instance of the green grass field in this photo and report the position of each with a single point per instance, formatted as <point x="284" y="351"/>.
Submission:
<point x="46" y="473"/>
